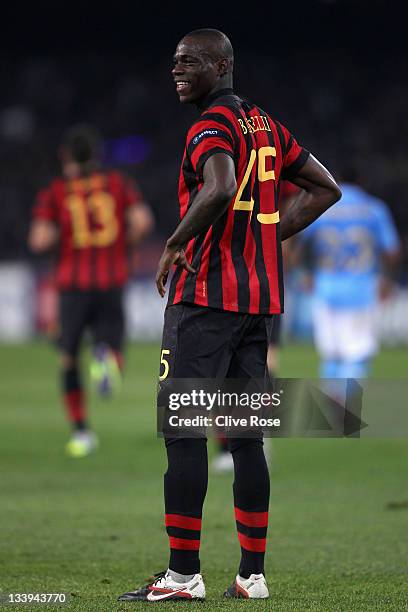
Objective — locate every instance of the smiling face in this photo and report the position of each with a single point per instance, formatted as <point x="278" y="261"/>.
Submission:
<point x="196" y="72"/>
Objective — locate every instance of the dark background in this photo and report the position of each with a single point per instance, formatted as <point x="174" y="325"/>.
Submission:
<point x="333" y="71"/>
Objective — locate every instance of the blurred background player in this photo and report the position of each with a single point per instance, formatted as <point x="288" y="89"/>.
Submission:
<point x="353" y="250"/>
<point x="92" y="214"/>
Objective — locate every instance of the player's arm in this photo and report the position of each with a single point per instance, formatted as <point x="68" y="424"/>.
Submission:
<point x="320" y="191"/>
<point x="43" y="235"/>
<point x="209" y="204"/>
<point x="139" y="222"/>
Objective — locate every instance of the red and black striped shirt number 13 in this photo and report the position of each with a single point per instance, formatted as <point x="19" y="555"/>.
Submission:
<point x="90" y="213"/>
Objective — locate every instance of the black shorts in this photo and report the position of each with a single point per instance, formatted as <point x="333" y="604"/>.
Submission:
<point x="200" y="342"/>
<point x="100" y="312"/>
<point x="275" y="331"/>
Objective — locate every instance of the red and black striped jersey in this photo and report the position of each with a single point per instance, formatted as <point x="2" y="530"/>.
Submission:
<point x="238" y="260"/>
<point x="90" y="212"/>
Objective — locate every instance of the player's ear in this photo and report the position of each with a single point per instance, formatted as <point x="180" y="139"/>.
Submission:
<point x="223" y="66"/>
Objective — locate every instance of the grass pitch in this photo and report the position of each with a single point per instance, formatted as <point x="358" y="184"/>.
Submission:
<point x="93" y="527"/>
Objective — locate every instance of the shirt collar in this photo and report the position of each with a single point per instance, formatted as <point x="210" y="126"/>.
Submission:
<point x="228" y="91"/>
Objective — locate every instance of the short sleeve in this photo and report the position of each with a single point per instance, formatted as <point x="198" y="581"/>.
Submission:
<point x="294" y="156"/>
<point x="45" y="206"/>
<point x="386" y="231"/>
<point x="206" y="138"/>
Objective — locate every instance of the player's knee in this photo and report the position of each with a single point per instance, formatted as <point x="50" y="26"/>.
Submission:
<point x="244" y="444"/>
<point x="185" y="448"/>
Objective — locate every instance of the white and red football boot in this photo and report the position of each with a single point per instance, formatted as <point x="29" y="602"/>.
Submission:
<point x="164" y="588"/>
<point x="253" y="587"/>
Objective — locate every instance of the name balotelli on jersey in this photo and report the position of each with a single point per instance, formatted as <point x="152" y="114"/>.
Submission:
<point x="238" y="259"/>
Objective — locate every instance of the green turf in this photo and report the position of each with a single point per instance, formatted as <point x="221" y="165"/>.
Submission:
<point x="93" y="527"/>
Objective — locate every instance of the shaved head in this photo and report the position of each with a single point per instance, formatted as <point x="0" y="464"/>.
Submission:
<point x="203" y="63"/>
<point x="213" y="42"/>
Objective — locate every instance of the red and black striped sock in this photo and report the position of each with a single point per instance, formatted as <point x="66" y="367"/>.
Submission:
<point x="184" y="538"/>
<point x="74" y="399"/>
<point x="251" y="501"/>
<point x="185" y="486"/>
<point x="252" y="528"/>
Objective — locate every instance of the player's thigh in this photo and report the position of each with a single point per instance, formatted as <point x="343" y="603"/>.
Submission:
<point x="275" y="330"/>
<point x="74" y="309"/>
<point x="250" y="353"/>
<point x="249" y="371"/>
<point x="108" y="320"/>
<point x="196" y="342"/>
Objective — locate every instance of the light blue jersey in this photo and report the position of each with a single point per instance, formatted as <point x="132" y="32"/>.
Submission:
<point x="346" y="244"/>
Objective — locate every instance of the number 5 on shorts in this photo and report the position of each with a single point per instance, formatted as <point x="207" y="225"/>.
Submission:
<point x="165" y="364"/>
